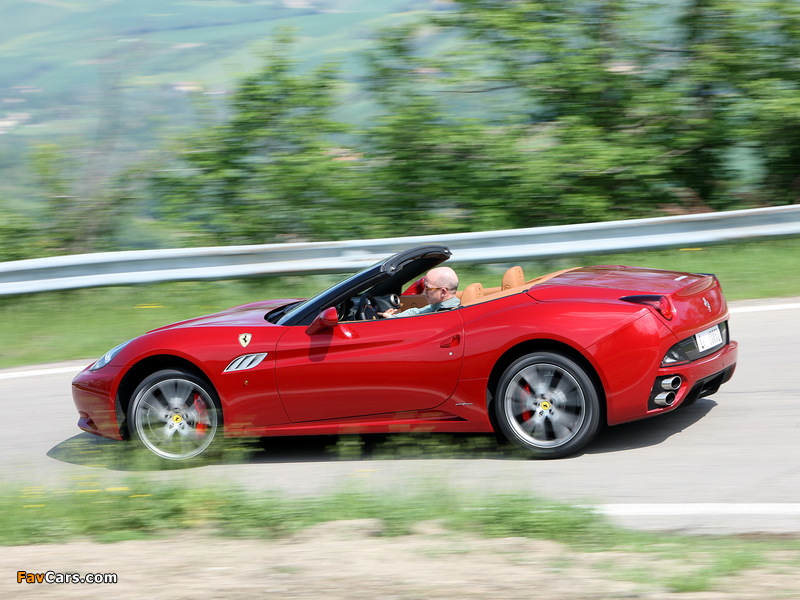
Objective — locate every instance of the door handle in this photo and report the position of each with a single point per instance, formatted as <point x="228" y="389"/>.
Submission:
<point x="451" y="342"/>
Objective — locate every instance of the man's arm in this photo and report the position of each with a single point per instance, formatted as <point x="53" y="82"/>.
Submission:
<point x="393" y="313"/>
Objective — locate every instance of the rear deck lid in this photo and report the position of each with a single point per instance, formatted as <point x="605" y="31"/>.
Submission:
<point x="696" y="298"/>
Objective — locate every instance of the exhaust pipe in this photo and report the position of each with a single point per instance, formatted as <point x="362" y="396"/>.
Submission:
<point x="665" y="399"/>
<point x="671" y="384"/>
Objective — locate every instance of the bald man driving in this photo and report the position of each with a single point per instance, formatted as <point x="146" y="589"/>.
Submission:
<point x="441" y="284"/>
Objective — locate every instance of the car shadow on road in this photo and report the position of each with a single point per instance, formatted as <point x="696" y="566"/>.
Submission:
<point x="649" y="432"/>
<point x="92" y="451"/>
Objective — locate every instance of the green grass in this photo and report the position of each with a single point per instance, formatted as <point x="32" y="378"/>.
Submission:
<point x="47" y="327"/>
<point x="722" y="562"/>
<point x="142" y="509"/>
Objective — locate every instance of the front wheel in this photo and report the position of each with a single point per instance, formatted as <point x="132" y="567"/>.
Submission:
<point x="174" y="414"/>
<point x="546" y="403"/>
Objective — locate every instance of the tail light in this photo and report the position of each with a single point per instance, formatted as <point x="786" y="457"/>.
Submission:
<point x="661" y="303"/>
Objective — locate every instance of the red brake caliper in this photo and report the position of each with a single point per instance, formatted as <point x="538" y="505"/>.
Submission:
<point x="202" y="414"/>
<point x="526" y="414"/>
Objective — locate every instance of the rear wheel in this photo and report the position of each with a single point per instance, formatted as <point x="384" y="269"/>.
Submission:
<point x="546" y="403"/>
<point x="174" y="414"/>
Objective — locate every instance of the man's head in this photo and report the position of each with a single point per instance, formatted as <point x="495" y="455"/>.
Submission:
<point x="441" y="284"/>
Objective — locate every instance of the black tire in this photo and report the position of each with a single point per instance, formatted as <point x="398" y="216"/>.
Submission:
<point x="175" y="415"/>
<point x="547" y="404"/>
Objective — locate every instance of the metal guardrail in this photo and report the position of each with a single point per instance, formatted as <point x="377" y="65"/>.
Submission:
<point x="150" y="266"/>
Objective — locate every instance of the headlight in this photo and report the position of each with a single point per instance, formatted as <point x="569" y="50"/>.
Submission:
<point x="108" y="356"/>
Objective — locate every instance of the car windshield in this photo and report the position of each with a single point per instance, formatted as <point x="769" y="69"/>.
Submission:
<point x="282" y="316"/>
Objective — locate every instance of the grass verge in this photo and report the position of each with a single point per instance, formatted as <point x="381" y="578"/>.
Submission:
<point x="142" y="509"/>
<point x="48" y="327"/>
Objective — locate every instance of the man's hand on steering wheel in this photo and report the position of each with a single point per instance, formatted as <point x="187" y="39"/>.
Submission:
<point x="366" y="308"/>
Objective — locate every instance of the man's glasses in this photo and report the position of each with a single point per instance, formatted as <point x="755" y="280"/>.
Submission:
<point x="430" y="288"/>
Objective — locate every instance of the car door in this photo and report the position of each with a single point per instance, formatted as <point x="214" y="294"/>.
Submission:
<point x="369" y="367"/>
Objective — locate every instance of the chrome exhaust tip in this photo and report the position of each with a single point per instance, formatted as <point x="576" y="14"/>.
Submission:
<point x="671" y="384"/>
<point x="665" y="399"/>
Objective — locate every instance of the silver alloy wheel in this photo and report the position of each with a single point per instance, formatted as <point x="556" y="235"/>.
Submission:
<point x="548" y="404"/>
<point x="174" y="416"/>
<point x="545" y="405"/>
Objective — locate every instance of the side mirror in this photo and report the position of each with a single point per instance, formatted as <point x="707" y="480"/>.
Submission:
<point x="327" y="319"/>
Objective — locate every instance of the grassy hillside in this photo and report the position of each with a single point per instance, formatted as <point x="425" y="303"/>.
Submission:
<point x="58" y="47"/>
<point x="72" y="69"/>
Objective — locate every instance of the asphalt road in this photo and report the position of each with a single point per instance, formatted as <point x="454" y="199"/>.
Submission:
<point x="729" y="463"/>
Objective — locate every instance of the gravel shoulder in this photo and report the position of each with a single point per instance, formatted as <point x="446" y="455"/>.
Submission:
<point x="352" y="560"/>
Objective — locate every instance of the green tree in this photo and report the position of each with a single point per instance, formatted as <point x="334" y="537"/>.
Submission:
<point x="432" y="171"/>
<point x="18" y="236"/>
<point x="82" y="208"/>
<point x="767" y="80"/>
<point x="271" y="171"/>
<point x="499" y="114"/>
<point x="607" y="122"/>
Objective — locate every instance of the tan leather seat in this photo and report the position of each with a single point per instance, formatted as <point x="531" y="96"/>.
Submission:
<point x="513" y="277"/>
<point x="471" y="293"/>
<point x="413" y="301"/>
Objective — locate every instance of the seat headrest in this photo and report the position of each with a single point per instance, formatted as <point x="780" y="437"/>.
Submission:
<point x="472" y="292"/>
<point x="513" y="277"/>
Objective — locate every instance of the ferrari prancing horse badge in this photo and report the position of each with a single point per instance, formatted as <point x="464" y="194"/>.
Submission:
<point x="244" y="339"/>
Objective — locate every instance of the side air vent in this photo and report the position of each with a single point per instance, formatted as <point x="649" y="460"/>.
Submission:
<point x="248" y="361"/>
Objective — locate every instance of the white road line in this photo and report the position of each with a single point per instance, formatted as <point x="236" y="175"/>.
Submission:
<point x="764" y="308"/>
<point x="699" y="509"/>
<point x="40" y="372"/>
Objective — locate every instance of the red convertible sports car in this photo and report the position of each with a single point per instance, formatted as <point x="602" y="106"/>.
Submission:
<point x="544" y="361"/>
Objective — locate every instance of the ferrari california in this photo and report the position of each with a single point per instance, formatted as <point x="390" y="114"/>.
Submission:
<point x="546" y="362"/>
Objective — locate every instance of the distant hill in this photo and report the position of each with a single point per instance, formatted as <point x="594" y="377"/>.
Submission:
<point x="70" y="67"/>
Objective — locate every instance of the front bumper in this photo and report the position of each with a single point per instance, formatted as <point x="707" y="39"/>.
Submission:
<point x="94" y="393"/>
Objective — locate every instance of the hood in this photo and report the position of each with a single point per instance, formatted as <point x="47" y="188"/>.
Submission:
<point x="253" y="313"/>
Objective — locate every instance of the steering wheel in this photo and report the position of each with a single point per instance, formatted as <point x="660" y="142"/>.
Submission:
<point x="366" y="309"/>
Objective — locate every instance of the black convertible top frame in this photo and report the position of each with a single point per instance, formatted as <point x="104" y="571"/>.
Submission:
<point x="384" y="277"/>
